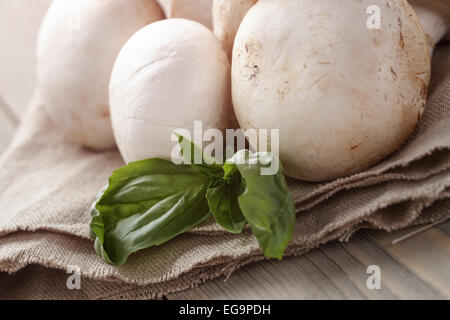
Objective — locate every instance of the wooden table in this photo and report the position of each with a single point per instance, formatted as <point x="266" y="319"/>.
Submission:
<point x="418" y="267"/>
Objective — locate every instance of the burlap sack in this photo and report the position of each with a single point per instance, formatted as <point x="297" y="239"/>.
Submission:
<point x="48" y="183"/>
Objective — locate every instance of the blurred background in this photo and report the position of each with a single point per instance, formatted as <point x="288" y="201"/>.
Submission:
<point x="19" y="26"/>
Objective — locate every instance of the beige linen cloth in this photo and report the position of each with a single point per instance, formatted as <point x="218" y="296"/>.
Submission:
<point x="48" y="183"/>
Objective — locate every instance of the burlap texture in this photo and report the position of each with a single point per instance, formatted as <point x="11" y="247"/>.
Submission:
<point x="47" y="184"/>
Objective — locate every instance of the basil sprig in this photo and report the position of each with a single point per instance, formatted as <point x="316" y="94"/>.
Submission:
<point x="152" y="201"/>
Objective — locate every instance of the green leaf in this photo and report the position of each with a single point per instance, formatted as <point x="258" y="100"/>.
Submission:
<point x="223" y="203"/>
<point x="229" y="170"/>
<point x="152" y="201"/>
<point x="195" y="157"/>
<point x="266" y="203"/>
<point x="97" y="222"/>
<point x="147" y="203"/>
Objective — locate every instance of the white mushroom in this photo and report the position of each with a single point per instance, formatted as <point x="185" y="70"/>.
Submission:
<point x="434" y="16"/>
<point x="168" y="75"/>
<point x="78" y="43"/>
<point x="343" y="96"/>
<point x="196" y="10"/>
<point x="227" y="17"/>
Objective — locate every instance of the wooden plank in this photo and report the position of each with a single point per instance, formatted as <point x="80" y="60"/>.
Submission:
<point x="295" y="278"/>
<point x="398" y="281"/>
<point x="426" y="255"/>
<point x="445" y="228"/>
<point x="338" y="271"/>
<point x="313" y="276"/>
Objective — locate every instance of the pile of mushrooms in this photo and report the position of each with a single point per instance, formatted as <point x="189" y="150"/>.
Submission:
<point x="342" y="95"/>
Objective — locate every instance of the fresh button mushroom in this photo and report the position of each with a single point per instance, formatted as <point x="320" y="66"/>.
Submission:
<point x="78" y="43"/>
<point x="435" y="18"/>
<point x="196" y="10"/>
<point x="344" y="96"/>
<point x="168" y="75"/>
<point x="227" y="17"/>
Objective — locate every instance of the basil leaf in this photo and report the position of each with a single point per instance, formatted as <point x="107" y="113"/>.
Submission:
<point x="101" y="252"/>
<point x="152" y="201"/>
<point x="266" y="203"/>
<point x="147" y="203"/>
<point x="229" y="170"/>
<point x="191" y="153"/>
<point x="94" y="213"/>
<point x="223" y="203"/>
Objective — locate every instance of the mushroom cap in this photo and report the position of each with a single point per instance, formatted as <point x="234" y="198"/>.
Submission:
<point x="195" y="10"/>
<point x="227" y="17"/>
<point x="342" y="95"/>
<point x="168" y="75"/>
<point x="78" y="43"/>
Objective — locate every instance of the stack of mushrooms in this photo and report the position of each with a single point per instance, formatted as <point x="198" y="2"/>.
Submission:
<point x="342" y="95"/>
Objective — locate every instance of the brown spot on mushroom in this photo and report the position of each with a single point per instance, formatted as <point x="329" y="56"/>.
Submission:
<point x="424" y="91"/>
<point x="104" y="112"/>
<point x="252" y="48"/>
<point x="252" y="55"/>
<point x="402" y="40"/>
<point x="394" y="74"/>
<point x="317" y="81"/>
<point x="254" y="72"/>
<point x="354" y="147"/>
<point x="283" y="91"/>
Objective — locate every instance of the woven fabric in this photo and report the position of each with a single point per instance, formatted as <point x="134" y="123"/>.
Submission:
<point x="47" y="184"/>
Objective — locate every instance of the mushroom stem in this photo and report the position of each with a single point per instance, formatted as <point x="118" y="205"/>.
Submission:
<point x="434" y="17"/>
